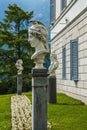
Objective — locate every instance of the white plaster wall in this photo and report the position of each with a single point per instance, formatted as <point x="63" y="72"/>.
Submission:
<point x="68" y="1"/>
<point x="76" y="29"/>
<point x="70" y="15"/>
<point x="58" y="8"/>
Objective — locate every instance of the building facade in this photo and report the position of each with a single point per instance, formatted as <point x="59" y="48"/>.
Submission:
<point x="69" y="41"/>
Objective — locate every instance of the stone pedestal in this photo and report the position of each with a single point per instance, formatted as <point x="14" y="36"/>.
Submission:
<point x="51" y="91"/>
<point x="19" y="84"/>
<point x="39" y="99"/>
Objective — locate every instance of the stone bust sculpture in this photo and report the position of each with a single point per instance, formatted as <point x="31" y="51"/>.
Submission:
<point x="19" y="66"/>
<point x="38" y="39"/>
<point x="54" y="64"/>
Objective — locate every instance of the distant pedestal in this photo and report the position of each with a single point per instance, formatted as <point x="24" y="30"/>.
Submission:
<point x="51" y="93"/>
<point x="39" y="99"/>
<point x="19" y="84"/>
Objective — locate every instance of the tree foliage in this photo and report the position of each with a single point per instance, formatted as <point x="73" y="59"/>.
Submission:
<point x="14" y="45"/>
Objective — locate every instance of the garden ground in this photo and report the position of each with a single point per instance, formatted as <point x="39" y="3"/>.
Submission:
<point x="67" y="114"/>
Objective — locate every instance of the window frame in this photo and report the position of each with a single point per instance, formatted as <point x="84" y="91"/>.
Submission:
<point x="64" y="62"/>
<point x="74" y="59"/>
<point x="63" y="4"/>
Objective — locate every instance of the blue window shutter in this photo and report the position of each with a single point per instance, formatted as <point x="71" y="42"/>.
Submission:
<point x="74" y="59"/>
<point x="52" y="11"/>
<point x="64" y="62"/>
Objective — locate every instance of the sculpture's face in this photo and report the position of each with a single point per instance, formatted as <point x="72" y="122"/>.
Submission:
<point x="33" y="40"/>
<point x="53" y="57"/>
<point x="20" y="62"/>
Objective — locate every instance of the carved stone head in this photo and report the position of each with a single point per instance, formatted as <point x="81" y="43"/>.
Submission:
<point x="19" y="66"/>
<point x="38" y="39"/>
<point x="54" y="64"/>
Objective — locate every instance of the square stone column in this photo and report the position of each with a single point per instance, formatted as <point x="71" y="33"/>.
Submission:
<point x="51" y="91"/>
<point x="39" y="99"/>
<point x="19" y="84"/>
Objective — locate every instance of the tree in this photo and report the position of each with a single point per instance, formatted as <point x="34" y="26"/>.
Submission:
<point x="14" y="45"/>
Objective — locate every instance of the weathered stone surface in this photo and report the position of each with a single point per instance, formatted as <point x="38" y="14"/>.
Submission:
<point x="51" y="93"/>
<point x="39" y="100"/>
<point x="19" y="84"/>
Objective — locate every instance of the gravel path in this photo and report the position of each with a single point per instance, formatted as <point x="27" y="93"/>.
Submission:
<point x="21" y="113"/>
<point x="21" y="110"/>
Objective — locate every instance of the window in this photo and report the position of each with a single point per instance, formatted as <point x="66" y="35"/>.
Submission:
<point x="52" y="11"/>
<point x="63" y="4"/>
<point x="74" y="59"/>
<point x="64" y="62"/>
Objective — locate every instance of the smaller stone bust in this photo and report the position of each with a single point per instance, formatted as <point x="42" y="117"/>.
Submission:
<point x="19" y="66"/>
<point x="54" y="64"/>
<point x="38" y="39"/>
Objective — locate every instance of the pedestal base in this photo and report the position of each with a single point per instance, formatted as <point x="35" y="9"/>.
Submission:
<point x="51" y="93"/>
<point x="39" y="99"/>
<point x="19" y="84"/>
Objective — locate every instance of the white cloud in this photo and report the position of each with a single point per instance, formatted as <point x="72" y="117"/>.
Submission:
<point x="39" y="15"/>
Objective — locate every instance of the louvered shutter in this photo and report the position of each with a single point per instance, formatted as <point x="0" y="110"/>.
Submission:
<point x="74" y="59"/>
<point x="64" y="62"/>
<point x="52" y="11"/>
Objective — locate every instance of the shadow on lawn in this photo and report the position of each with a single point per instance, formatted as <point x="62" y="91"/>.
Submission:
<point x="70" y="104"/>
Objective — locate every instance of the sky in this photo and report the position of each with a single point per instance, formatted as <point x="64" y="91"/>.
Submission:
<point x="38" y="6"/>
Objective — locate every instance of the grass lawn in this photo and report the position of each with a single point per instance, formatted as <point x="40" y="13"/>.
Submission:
<point x="67" y="114"/>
